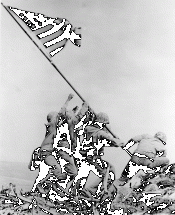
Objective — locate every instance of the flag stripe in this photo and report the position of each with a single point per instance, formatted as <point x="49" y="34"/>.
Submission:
<point x="52" y="53"/>
<point x="77" y="31"/>
<point x="53" y="33"/>
<point x="56" y="45"/>
<point x="57" y="39"/>
<point x="43" y="30"/>
<point x="50" y="31"/>
<point x="52" y="36"/>
<point x="75" y="38"/>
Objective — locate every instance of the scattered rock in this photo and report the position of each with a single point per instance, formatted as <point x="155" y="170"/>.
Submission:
<point x="129" y="197"/>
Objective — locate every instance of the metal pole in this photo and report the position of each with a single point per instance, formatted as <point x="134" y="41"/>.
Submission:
<point x="43" y="53"/>
<point x="51" y="62"/>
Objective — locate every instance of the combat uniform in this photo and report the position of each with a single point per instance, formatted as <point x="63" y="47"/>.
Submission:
<point x="150" y="154"/>
<point x="65" y="144"/>
<point x="93" y="143"/>
<point x="45" y="152"/>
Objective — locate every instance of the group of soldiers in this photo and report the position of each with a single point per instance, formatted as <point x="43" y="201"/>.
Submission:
<point x="89" y="133"/>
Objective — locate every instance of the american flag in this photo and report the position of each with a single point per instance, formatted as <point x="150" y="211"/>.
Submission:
<point x="52" y="32"/>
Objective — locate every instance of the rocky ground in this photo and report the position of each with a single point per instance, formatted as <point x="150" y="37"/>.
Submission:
<point x="144" y="193"/>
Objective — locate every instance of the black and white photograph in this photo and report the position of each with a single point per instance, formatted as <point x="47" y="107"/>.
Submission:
<point x="87" y="107"/>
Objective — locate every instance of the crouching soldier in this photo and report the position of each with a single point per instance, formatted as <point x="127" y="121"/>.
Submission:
<point x="95" y="138"/>
<point x="149" y="155"/>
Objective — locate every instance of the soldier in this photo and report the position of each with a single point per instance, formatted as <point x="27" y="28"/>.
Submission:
<point x="66" y="142"/>
<point x="74" y="188"/>
<point x="49" y="165"/>
<point x="95" y="139"/>
<point x="150" y="151"/>
<point x="92" y="189"/>
<point x="80" y="128"/>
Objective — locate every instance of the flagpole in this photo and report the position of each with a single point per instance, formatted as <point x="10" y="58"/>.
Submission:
<point x="44" y="53"/>
<point x="53" y="64"/>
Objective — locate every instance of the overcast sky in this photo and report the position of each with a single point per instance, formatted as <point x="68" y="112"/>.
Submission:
<point x="125" y="67"/>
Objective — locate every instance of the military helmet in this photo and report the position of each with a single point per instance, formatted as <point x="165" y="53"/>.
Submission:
<point x="160" y="135"/>
<point x="52" y="116"/>
<point x="102" y="117"/>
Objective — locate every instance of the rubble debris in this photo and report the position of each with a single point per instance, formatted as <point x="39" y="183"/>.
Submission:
<point x="154" y="194"/>
<point x="164" y="200"/>
<point x="28" y="203"/>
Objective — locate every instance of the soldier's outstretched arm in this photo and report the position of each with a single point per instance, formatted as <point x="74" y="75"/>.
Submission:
<point x="112" y="141"/>
<point x="64" y="107"/>
<point x="136" y="139"/>
<point x="81" y="113"/>
<point x="117" y="142"/>
<point x="75" y="122"/>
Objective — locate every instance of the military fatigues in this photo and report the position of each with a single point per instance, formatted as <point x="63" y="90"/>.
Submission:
<point x="49" y="166"/>
<point x="93" y="143"/>
<point x="49" y="169"/>
<point x="150" y="154"/>
<point x="93" y="188"/>
<point x="46" y="149"/>
<point x="65" y="145"/>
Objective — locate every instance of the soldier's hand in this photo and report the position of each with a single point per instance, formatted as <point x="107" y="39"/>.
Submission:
<point x="91" y="110"/>
<point x="121" y="144"/>
<point x="75" y="109"/>
<point x="70" y="96"/>
<point x="85" y="104"/>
